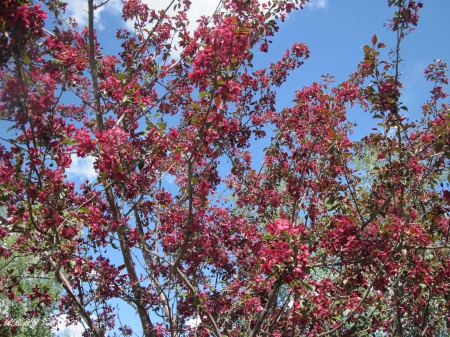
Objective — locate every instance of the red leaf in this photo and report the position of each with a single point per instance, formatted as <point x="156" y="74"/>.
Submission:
<point x="374" y="39"/>
<point x="217" y="100"/>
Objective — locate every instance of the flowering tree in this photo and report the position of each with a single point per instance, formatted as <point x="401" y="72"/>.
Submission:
<point x="298" y="247"/>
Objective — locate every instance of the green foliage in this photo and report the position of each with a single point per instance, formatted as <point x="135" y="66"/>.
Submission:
<point x="17" y="312"/>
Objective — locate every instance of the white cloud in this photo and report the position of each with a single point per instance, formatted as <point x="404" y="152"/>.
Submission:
<point x="71" y="330"/>
<point x="82" y="168"/>
<point x="290" y="303"/>
<point x="198" y="8"/>
<point x="78" y="10"/>
<point x="317" y="4"/>
<point x="194" y="322"/>
<point x="169" y="178"/>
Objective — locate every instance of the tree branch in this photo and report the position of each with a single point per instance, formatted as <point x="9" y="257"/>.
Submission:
<point x="272" y="298"/>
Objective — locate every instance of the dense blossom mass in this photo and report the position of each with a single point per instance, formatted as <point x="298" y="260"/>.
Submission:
<point x="328" y="237"/>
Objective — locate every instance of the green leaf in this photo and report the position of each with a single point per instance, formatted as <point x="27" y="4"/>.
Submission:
<point x="84" y="210"/>
<point x="68" y="141"/>
<point x="337" y="318"/>
<point x="57" y="62"/>
<point x="161" y="125"/>
<point x="27" y="60"/>
<point x="203" y="94"/>
<point x="195" y="106"/>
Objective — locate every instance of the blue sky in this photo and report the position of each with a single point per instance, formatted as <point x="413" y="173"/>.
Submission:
<point x="335" y="31"/>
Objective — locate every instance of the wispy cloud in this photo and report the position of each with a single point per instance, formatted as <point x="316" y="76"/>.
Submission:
<point x="78" y="10"/>
<point x="317" y="4"/>
<point x="60" y="329"/>
<point x="198" y="8"/>
<point x="82" y="168"/>
<point x="169" y="178"/>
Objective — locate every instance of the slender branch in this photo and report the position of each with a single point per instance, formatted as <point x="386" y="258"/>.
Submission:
<point x="97" y="6"/>
<point x="352" y="192"/>
<point x="93" y="67"/>
<point x="272" y="298"/>
<point x="375" y="214"/>
<point x="195" y="291"/>
<point x="191" y="287"/>
<point x="162" y="296"/>
<point x="189" y="220"/>
<point x="81" y="309"/>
